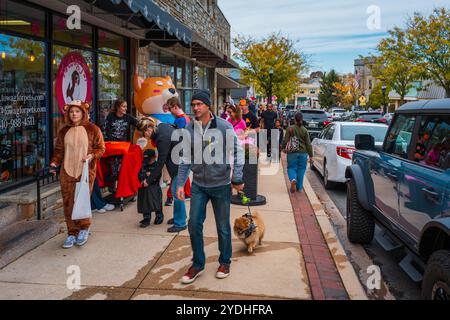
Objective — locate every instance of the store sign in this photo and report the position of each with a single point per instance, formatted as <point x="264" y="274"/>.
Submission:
<point x="73" y="81"/>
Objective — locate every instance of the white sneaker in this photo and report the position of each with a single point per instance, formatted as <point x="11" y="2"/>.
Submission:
<point x="108" y="207"/>
<point x="102" y="210"/>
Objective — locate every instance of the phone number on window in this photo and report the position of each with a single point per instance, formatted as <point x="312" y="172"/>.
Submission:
<point x="17" y="122"/>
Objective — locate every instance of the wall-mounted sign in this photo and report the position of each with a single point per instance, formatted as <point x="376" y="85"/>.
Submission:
<point x="73" y="81"/>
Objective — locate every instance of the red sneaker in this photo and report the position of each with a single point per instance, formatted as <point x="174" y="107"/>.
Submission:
<point x="191" y="275"/>
<point x="223" y="271"/>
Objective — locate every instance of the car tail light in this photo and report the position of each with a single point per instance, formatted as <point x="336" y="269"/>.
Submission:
<point x="382" y="120"/>
<point x="360" y="120"/>
<point x="345" y="152"/>
<point x="325" y="123"/>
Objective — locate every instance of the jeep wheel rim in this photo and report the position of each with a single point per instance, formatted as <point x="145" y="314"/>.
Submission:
<point x="440" y="291"/>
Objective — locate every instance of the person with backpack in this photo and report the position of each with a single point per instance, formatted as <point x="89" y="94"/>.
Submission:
<point x="297" y="145"/>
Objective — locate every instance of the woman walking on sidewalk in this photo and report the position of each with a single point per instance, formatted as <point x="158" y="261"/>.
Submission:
<point x="77" y="142"/>
<point x="297" y="145"/>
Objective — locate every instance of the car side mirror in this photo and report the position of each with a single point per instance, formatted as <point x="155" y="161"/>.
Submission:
<point x="364" y="142"/>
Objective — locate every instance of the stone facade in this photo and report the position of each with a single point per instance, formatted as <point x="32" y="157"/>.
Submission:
<point x="203" y="17"/>
<point x="363" y="74"/>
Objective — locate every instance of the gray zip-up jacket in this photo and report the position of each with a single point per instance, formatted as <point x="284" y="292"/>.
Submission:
<point x="211" y="149"/>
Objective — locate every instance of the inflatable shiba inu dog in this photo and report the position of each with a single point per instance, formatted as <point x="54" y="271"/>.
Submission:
<point x="150" y="95"/>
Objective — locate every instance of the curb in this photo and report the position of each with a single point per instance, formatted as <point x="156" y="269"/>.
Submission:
<point x="348" y="275"/>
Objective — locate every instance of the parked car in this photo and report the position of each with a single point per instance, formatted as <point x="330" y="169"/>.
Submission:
<point x="405" y="188"/>
<point x="388" y="117"/>
<point x="314" y="120"/>
<point x="337" y="114"/>
<point x="288" y="118"/>
<point x="333" y="148"/>
<point x="368" y="116"/>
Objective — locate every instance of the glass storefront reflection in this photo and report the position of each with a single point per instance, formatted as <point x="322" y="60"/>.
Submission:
<point x="23" y="103"/>
<point x="111" y="84"/>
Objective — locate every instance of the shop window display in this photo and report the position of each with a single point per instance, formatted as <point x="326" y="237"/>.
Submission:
<point x="81" y="37"/>
<point x="23" y="105"/>
<point x="111" y="84"/>
<point x="22" y="19"/>
<point x="58" y="54"/>
<point x="110" y="42"/>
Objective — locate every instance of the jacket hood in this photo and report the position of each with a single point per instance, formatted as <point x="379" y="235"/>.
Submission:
<point x="83" y="106"/>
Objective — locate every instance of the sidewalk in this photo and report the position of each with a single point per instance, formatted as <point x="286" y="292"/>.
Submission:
<point x="122" y="261"/>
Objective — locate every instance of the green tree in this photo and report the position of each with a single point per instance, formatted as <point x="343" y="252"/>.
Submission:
<point x="429" y="42"/>
<point x="376" y="98"/>
<point x="274" y="51"/>
<point x="393" y="67"/>
<point x="329" y="92"/>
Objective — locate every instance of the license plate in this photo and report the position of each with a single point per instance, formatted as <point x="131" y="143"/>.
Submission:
<point x="313" y="125"/>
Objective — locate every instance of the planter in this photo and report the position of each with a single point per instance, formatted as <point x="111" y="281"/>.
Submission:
<point x="250" y="177"/>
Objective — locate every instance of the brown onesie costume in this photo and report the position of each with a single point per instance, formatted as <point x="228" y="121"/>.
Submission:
<point x="72" y="144"/>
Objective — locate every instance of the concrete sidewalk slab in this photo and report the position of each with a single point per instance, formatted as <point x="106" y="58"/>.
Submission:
<point x="30" y="291"/>
<point x="107" y="260"/>
<point x="250" y="273"/>
<point x="279" y="227"/>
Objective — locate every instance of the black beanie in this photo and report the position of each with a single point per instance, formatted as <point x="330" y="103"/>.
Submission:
<point x="203" y="96"/>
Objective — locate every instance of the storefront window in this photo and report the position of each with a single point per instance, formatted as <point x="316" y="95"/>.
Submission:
<point x="59" y="53"/>
<point x="167" y="65"/>
<point x="111" y="84"/>
<point x="187" y="101"/>
<point x="23" y="19"/>
<point x="23" y="109"/>
<point x="153" y="68"/>
<point x="81" y="37"/>
<point x="188" y="75"/>
<point x="180" y="70"/>
<point x="110" y="42"/>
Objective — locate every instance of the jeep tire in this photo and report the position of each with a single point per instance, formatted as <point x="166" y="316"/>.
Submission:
<point x="360" y="223"/>
<point x="436" y="279"/>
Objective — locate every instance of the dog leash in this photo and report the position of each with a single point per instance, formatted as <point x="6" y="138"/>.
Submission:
<point x="253" y="226"/>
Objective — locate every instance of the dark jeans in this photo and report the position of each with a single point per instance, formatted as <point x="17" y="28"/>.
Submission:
<point x="220" y="198"/>
<point x="97" y="201"/>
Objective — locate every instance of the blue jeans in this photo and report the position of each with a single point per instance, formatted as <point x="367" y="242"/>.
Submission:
<point x="179" y="207"/>
<point x="297" y="167"/>
<point x="97" y="201"/>
<point x="220" y="198"/>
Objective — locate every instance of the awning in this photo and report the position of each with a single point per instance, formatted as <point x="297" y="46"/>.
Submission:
<point x="206" y="53"/>
<point x="156" y="19"/>
<point x="224" y="82"/>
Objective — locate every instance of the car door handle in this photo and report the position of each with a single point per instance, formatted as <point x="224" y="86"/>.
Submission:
<point x="431" y="195"/>
<point x="393" y="176"/>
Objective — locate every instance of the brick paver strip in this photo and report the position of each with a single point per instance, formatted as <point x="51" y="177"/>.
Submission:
<point x="324" y="278"/>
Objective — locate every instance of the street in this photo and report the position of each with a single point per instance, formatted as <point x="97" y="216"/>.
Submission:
<point x="399" y="285"/>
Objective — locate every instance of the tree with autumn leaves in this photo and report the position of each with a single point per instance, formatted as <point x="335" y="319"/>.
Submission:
<point x="419" y="51"/>
<point x="276" y="51"/>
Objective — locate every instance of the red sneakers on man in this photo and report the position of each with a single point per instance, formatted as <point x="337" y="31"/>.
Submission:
<point x="191" y="275"/>
<point x="223" y="271"/>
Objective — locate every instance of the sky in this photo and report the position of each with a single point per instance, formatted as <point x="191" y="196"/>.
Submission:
<point x="332" y="32"/>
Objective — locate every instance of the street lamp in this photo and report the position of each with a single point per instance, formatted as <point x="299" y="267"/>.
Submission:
<point x="383" y="90"/>
<point x="269" y="100"/>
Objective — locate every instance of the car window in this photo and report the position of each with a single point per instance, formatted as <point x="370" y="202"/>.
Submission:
<point x="317" y="115"/>
<point x="348" y="132"/>
<point x="399" y="136"/>
<point x="324" y="132"/>
<point x="433" y="144"/>
<point x="330" y="132"/>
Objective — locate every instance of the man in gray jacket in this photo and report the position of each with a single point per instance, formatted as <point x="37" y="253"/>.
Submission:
<point x="212" y="140"/>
